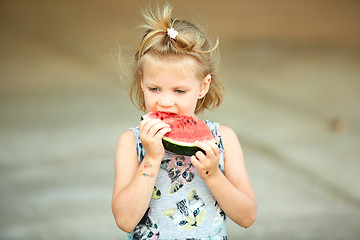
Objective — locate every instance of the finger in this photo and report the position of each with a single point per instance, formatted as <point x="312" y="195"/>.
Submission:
<point x="156" y="127"/>
<point x="206" y="146"/>
<point x="143" y="122"/>
<point x="162" y="132"/>
<point x="214" y="146"/>
<point x="200" y="155"/>
<point x="145" y="125"/>
<point x="195" y="161"/>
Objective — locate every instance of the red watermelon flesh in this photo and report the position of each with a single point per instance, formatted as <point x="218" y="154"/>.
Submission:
<point x="185" y="130"/>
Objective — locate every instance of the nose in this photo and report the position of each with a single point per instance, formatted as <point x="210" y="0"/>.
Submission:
<point x="166" y="101"/>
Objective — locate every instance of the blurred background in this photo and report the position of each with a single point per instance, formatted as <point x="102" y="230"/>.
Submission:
<point x="292" y="71"/>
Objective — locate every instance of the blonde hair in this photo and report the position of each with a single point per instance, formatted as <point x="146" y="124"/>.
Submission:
<point x="190" y="41"/>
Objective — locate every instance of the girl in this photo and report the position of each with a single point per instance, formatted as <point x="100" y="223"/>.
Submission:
<point x="161" y="195"/>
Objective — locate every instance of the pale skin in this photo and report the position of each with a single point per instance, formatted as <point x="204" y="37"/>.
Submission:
<point x="176" y="88"/>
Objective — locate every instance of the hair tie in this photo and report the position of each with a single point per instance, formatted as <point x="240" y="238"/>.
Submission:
<point x="171" y="32"/>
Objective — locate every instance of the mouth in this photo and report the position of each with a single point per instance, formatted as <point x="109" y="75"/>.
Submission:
<point x="167" y="111"/>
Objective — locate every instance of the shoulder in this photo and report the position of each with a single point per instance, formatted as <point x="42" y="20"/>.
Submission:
<point x="127" y="141"/>
<point x="231" y="143"/>
<point x="227" y="133"/>
<point x="127" y="137"/>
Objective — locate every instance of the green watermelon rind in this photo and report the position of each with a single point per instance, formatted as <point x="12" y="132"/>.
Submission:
<point x="181" y="148"/>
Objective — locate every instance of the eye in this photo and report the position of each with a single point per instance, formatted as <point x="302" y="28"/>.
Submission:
<point x="154" y="89"/>
<point x="185" y="174"/>
<point x="179" y="163"/>
<point x="183" y="222"/>
<point x="155" y="226"/>
<point x="179" y="91"/>
<point x="196" y="212"/>
<point x="150" y="234"/>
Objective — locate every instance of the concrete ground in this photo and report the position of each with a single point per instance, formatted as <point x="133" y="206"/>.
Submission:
<point x="292" y="97"/>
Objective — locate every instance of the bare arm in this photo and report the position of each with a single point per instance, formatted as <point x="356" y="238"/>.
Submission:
<point x="233" y="190"/>
<point x="134" y="183"/>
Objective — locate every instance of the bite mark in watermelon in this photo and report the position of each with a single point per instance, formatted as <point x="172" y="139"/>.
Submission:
<point x="185" y="130"/>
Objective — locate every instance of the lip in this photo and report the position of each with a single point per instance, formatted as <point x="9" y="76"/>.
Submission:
<point x="168" y="112"/>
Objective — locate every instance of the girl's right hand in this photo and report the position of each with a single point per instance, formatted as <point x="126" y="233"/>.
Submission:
<point x="151" y="132"/>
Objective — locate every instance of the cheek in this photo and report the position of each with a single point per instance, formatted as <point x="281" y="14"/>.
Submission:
<point x="193" y="98"/>
<point x="148" y="98"/>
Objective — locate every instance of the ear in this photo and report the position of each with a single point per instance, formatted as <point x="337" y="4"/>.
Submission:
<point x="205" y="85"/>
<point x="170" y="212"/>
<point x="193" y="195"/>
<point x="174" y="188"/>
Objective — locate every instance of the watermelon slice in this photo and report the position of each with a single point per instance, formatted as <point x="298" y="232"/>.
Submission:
<point x="185" y="130"/>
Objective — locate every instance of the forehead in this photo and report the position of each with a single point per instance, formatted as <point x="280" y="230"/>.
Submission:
<point x="180" y="65"/>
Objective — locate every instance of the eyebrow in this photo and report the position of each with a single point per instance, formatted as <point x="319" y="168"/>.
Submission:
<point x="149" y="83"/>
<point x="181" y="86"/>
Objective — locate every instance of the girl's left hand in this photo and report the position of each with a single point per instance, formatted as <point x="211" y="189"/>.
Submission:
<point x="206" y="164"/>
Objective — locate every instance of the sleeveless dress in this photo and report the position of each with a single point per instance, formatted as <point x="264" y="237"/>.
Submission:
<point x="182" y="207"/>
